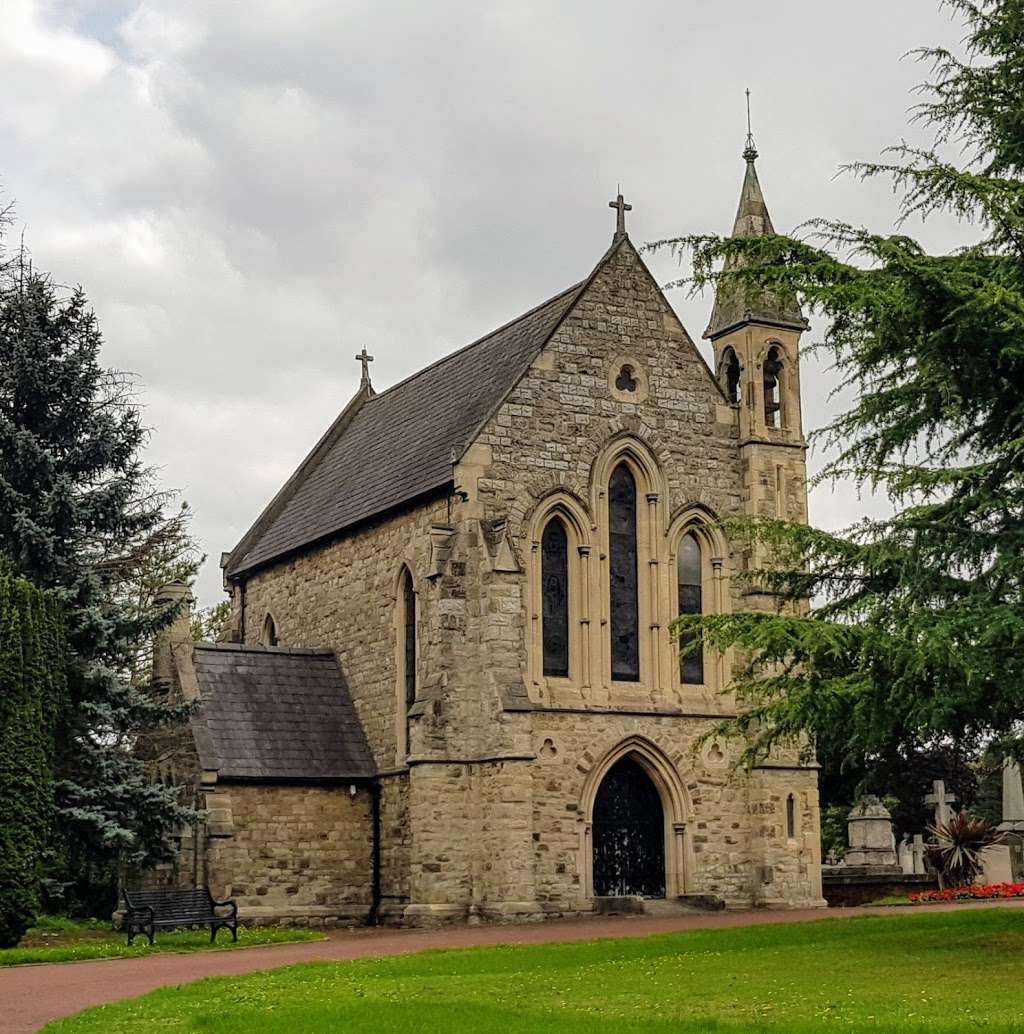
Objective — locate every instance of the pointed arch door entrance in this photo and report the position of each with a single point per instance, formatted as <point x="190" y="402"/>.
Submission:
<point x="628" y="834"/>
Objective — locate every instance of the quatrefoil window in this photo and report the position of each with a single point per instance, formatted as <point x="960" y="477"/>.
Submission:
<point x="626" y="381"/>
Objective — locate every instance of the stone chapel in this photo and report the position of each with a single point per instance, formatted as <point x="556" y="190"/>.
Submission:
<point x="450" y="691"/>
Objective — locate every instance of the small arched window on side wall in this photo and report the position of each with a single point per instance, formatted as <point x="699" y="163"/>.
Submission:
<point x="791" y="817"/>
<point x="268" y="633"/>
<point x="623" y="575"/>
<point x="554" y="573"/>
<point x="773" y="371"/>
<point x="407" y="629"/>
<point x="731" y="377"/>
<point x="690" y="578"/>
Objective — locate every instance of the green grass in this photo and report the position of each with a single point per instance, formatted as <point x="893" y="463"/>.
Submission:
<point x="938" y="973"/>
<point x="59" y="939"/>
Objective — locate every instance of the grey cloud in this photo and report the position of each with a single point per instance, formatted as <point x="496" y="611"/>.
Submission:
<point x="251" y="192"/>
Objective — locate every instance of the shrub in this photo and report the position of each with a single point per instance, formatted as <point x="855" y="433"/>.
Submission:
<point x="32" y="674"/>
<point x="959" y="846"/>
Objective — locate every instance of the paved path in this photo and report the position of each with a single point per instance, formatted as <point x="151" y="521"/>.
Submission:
<point x="31" y="996"/>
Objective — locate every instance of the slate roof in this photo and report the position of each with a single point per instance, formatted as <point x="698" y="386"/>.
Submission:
<point x="389" y="448"/>
<point x="276" y="714"/>
<point x="735" y="304"/>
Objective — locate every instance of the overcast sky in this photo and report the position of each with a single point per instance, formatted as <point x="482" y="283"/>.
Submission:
<point x="251" y="191"/>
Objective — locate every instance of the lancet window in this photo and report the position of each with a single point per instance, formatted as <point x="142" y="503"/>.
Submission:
<point x="623" y="572"/>
<point x="555" y="598"/>
<point x="690" y="582"/>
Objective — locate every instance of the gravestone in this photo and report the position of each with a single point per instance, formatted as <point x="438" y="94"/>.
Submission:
<point x="1012" y="825"/>
<point x="941" y="801"/>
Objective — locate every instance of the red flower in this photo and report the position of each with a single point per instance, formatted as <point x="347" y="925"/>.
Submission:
<point x="975" y="891"/>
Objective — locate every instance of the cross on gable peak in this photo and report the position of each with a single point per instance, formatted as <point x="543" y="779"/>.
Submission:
<point x="365" y="358"/>
<point x="621" y="208"/>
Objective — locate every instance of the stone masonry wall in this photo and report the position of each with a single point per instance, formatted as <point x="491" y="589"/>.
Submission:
<point x="301" y="854"/>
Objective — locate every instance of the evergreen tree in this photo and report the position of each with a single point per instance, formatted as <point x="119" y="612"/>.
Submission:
<point x="917" y="628"/>
<point x="32" y="682"/>
<point x="80" y="515"/>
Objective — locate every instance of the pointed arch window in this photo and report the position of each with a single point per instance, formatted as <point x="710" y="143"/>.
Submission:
<point x="690" y="578"/>
<point x="268" y="634"/>
<point x="623" y="574"/>
<point x="555" y="602"/>
<point x="731" y="376"/>
<point x="407" y="650"/>
<point x="773" y="370"/>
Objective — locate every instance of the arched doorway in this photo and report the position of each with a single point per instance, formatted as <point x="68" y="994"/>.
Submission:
<point x="628" y="834"/>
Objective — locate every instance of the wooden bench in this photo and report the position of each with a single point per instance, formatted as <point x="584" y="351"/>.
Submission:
<point x="152" y="910"/>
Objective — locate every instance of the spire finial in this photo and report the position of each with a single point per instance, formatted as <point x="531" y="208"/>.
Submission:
<point x="365" y="358"/>
<point x="620" y="217"/>
<point x="750" y="151"/>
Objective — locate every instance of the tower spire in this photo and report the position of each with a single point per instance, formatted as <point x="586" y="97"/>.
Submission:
<point x="736" y="304"/>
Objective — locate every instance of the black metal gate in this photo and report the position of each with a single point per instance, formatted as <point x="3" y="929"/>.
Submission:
<point x="629" y="835"/>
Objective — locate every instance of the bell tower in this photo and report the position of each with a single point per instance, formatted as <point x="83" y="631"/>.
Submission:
<point x="756" y="337"/>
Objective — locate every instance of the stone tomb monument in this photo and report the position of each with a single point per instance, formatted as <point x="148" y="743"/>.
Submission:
<point x="872" y="844"/>
<point x="1012" y="825"/>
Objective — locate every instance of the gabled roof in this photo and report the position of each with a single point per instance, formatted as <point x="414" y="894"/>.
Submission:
<point x="277" y="715"/>
<point x="736" y="304"/>
<point x="393" y="447"/>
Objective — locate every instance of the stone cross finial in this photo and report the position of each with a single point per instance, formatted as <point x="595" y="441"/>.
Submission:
<point x="620" y="218"/>
<point x="941" y="802"/>
<point x="365" y="358"/>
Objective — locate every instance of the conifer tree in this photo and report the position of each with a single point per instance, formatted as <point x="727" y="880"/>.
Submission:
<point x="917" y="624"/>
<point x="80" y="515"/>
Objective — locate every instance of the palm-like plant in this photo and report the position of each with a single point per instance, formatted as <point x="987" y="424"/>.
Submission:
<point x="959" y="845"/>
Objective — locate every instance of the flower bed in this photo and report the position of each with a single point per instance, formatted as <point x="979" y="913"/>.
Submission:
<point x="976" y="892"/>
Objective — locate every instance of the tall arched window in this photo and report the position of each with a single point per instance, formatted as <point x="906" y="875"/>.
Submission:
<point x="731" y="376"/>
<point x="268" y="634"/>
<point x="408" y="647"/>
<point x="690" y="578"/>
<point x="554" y="568"/>
<point x="622" y="567"/>
<point x="773" y="388"/>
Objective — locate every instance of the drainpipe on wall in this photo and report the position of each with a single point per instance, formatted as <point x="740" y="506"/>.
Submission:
<point x="373" y="919"/>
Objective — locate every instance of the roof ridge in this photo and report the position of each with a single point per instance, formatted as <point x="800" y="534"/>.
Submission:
<point x="479" y="341"/>
<point x="580" y="289"/>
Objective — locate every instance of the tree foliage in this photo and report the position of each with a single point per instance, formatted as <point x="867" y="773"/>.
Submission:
<point x="917" y="628"/>
<point x="81" y="515"/>
<point x="32" y="687"/>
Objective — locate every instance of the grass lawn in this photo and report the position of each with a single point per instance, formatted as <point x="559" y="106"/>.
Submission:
<point x="58" y="939"/>
<point x="942" y="972"/>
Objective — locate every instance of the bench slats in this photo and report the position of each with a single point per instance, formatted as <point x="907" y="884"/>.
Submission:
<point x="164" y="909"/>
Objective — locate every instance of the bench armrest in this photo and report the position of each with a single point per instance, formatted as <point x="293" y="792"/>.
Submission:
<point x="230" y="903"/>
<point x="140" y="912"/>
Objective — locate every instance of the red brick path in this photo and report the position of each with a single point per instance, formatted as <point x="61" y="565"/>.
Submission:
<point x="31" y="996"/>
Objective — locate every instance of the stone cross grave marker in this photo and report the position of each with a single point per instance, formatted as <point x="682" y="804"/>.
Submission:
<point x="941" y="801"/>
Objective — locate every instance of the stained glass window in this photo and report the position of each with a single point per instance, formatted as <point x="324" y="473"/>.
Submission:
<point x="691" y="601"/>
<point x="554" y="567"/>
<point x="622" y="566"/>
